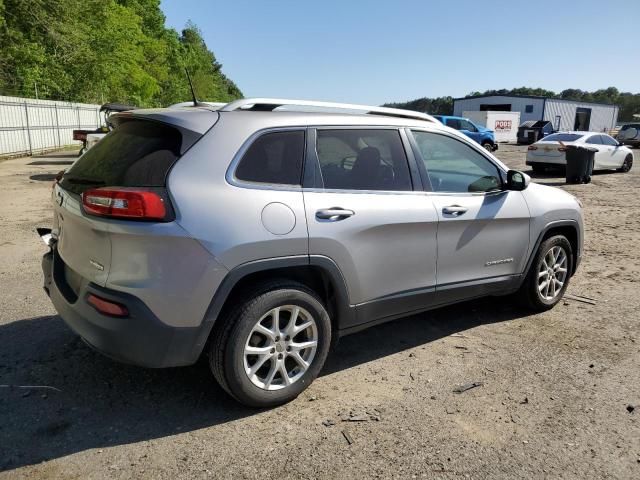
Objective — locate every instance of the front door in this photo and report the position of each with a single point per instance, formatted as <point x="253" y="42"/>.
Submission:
<point x="363" y="213"/>
<point x="483" y="231"/>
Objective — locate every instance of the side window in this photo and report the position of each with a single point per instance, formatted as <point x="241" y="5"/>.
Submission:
<point x="595" y="140"/>
<point x="453" y="166"/>
<point x="607" y="140"/>
<point x="453" y="123"/>
<point x="467" y="125"/>
<point x="363" y="160"/>
<point x="274" y="158"/>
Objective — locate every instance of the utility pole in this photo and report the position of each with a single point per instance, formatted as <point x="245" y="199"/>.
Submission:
<point x="35" y="85"/>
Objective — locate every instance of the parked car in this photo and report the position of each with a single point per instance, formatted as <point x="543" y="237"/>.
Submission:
<point x="258" y="236"/>
<point x="480" y="134"/>
<point x="533" y="130"/>
<point x="550" y="151"/>
<point x="630" y="135"/>
<point x="91" y="137"/>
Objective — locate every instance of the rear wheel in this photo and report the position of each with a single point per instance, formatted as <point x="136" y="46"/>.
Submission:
<point x="272" y="345"/>
<point x="627" y="164"/>
<point x="538" y="168"/>
<point x="548" y="277"/>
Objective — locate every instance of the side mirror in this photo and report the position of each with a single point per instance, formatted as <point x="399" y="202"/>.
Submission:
<point x="517" y="181"/>
<point x="620" y="144"/>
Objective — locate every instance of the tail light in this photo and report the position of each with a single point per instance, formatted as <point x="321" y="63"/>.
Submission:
<point x="532" y="147"/>
<point x="125" y="203"/>
<point x="107" y="307"/>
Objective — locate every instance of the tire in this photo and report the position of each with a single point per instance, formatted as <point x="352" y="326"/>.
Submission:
<point x="538" y="168"/>
<point x="488" y="146"/>
<point x="530" y="293"/>
<point x="236" y="332"/>
<point x="627" y="164"/>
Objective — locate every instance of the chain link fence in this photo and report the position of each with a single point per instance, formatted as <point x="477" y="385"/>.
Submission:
<point x="29" y="126"/>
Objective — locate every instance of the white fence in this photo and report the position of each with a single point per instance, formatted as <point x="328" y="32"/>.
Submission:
<point x="28" y="125"/>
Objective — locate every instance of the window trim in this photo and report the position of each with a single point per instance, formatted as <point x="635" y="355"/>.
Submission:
<point x="481" y="151"/>
<point x="230" y="175"/>
<point x="312" y="176"/>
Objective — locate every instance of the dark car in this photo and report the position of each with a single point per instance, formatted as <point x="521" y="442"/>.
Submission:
<point x="630" y="135"/>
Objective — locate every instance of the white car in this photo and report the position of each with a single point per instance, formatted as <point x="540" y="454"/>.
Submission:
<point x="550" y="151"/>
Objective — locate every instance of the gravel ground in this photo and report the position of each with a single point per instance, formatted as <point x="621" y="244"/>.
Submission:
<point x="556" y="387"/>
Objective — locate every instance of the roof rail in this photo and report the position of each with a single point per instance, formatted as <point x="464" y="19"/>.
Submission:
<point x="269" y="104"/>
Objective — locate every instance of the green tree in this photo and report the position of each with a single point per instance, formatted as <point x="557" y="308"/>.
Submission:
<point x="104" y="50"/>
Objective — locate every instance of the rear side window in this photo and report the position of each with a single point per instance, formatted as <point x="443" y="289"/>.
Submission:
<point x="353" y="159"/>
<point x="274" y="158"/>
<point x="138" y="153"/>
<point x="453" y="123"/>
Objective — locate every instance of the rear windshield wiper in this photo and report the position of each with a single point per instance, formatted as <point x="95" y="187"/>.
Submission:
<point x="82" y="181"/>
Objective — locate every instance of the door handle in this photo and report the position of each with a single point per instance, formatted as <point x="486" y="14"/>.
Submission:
<point x="334" y="213"/>
<point x="455" y="210"/>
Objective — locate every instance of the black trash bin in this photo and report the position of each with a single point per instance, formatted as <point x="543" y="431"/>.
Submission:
<point x="579" y="163"/>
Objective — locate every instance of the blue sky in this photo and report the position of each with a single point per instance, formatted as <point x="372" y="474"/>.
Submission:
<point x="377" y="51"/>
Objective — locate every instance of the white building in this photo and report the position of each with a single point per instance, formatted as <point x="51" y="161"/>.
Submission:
<point x="563" y="114"/>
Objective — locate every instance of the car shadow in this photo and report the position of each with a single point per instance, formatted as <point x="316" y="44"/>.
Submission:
<point x="51" y="162"/>
<point x="64" y="154"/>
<point x="59" y="397"/>
<point x="43" y="177"/>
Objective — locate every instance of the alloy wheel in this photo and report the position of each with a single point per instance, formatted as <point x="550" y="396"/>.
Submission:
<point x="280" y="348"/>
<point x="552" y="273"/>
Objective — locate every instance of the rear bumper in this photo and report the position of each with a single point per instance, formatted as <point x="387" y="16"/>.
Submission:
<point x="139" y="339"/>
<point x="632" y="143"/>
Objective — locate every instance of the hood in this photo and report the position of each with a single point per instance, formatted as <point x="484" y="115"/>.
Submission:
<point x="484" y="129"/>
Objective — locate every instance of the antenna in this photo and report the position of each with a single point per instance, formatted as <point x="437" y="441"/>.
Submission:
<point x="193" y="92"/>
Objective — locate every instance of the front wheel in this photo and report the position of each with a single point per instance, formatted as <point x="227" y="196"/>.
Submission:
<point x="549" y="274"/>
<point x="627" y="164"/>
<point x="488" y="146"/>
<point x="272" y="346"/>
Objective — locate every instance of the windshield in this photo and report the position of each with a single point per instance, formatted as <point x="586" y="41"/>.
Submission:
<point x="562" y="137"/>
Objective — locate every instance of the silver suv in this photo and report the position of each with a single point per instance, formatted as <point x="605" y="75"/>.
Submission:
<point x="259" y="232"/>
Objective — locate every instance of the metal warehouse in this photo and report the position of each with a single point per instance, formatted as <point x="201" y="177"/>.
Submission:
<point x="563" y="114"/>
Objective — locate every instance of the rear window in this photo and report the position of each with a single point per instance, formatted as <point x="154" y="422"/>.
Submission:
<point x="137" y="153"/>
<point x="632" y="125"/>
<point x="562" y="137"/>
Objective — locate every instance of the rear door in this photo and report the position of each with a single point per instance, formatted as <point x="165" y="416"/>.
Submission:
<point x="483" y="231"/>
<point x="363" y="213"/>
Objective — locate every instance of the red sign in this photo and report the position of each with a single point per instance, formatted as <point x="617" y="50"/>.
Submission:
<point x="503" y="125"/>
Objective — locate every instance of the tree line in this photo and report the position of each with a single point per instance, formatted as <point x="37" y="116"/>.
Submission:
<point x="629" y="103"/>
<point x="99" y="51"/>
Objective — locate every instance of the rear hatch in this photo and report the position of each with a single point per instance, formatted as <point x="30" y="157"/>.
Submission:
<point x="135" y="157"/>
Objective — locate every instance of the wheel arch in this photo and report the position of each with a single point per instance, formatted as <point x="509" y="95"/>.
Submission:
<point x="319" y="273"/>
<point x="567" y="228"/>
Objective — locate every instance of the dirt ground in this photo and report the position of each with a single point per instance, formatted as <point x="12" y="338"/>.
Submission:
<point x="555" y="400"/>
